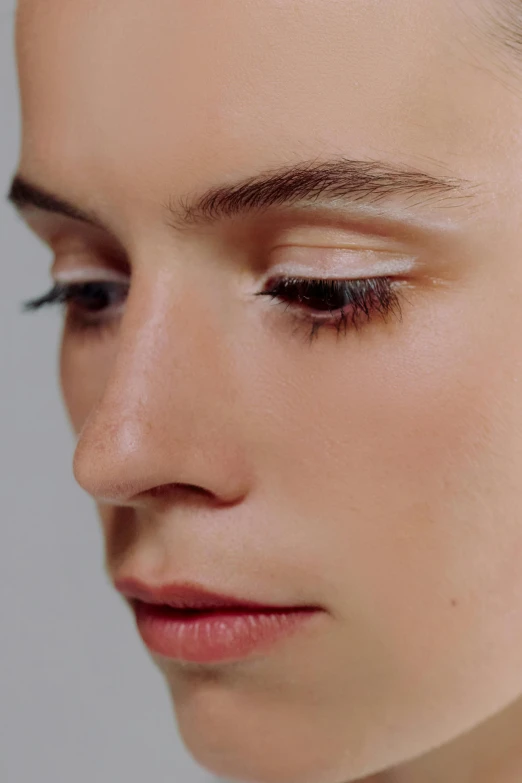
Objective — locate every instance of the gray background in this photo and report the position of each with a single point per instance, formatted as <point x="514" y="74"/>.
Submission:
<point x="80" y="699"/>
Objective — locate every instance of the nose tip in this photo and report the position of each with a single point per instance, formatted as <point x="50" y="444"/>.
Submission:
<point x="158" y="467"/>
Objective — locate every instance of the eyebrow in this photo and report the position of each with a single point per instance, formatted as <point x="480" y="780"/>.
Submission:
<point x="343" y="182"/>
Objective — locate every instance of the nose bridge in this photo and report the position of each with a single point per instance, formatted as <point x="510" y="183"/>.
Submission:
<point x="168" y="411"/>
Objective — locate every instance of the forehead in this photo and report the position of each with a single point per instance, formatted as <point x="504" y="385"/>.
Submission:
<point x="131" y="89"/>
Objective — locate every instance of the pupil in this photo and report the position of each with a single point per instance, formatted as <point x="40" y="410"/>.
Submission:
<point x="330" y="300"/>
<point x="96" y="296"/>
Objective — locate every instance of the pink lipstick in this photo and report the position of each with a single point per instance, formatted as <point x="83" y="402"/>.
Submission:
<point x="188" y="623"/>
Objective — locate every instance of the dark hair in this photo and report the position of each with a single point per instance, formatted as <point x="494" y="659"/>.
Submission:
<point x="503" y="28"/>
<point x="509" y="26"/>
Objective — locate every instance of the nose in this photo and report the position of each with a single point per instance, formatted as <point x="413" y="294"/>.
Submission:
<point x="170" y="413"/>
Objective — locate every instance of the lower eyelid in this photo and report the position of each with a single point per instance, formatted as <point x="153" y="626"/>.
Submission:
<point x="82" y="320"/>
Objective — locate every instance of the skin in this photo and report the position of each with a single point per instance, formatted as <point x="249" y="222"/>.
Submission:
<point x="377" y="475"/>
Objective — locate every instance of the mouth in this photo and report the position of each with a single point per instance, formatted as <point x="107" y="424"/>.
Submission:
<point x="188" y="597"/>
<point x="217" y="634"/>
<point x="208" y="611"/>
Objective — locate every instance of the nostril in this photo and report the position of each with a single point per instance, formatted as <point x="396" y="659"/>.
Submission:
<point x="163" y="491"/>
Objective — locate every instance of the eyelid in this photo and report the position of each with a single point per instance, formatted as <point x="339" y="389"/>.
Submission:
<point x="88" y="274"/>
<point x="338" y="261"/>
<point x="296" y="260"/>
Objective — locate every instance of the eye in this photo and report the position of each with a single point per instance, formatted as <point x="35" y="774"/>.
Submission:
<point x="331" y="302"/>
<point x="314" y="302"/>
<point x="87" y="301"/>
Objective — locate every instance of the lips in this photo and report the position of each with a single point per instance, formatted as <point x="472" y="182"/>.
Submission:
<point x="186" y="595"/>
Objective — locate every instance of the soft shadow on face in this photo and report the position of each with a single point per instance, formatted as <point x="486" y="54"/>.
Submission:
<point x="374" y="473"/>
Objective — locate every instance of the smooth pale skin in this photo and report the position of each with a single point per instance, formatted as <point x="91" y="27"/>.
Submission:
<point x="378" y="475"/>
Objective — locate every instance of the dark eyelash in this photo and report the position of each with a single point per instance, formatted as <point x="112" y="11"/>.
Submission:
<point x="63" y="293"/>
<point x="355" y="297"/>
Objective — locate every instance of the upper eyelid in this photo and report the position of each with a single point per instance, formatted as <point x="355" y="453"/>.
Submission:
<point x="351" y="262"/>
<point x="356" y="261"/>
<point x="82" y="274"/>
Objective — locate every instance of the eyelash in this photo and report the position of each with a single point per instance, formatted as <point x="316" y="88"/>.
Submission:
<point x="367" y="296"/>
<point x="63" y="293"/>
<point x="363" y="297"/>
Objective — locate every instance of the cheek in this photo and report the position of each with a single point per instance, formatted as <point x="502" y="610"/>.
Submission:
<point x="407" y="481"/>
<point x="425" y="414"/>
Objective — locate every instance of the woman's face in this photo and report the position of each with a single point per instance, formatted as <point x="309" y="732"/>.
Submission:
<point x="374" y="473"/>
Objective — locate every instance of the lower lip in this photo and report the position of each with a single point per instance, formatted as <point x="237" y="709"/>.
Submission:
<point x="219" y="635"/>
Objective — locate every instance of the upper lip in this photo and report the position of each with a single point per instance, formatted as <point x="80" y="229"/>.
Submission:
<point x="181" y="595"/>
